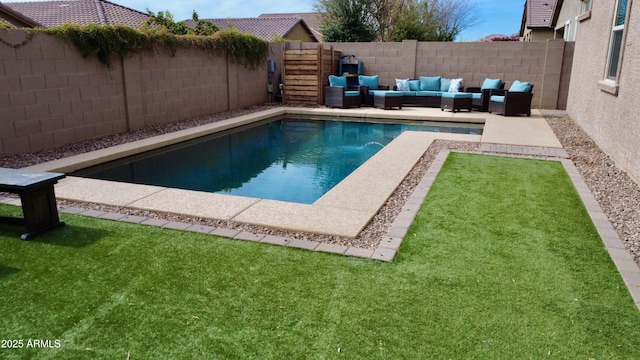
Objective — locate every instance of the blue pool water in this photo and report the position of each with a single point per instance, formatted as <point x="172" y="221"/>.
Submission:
<point x="286" y="159"/>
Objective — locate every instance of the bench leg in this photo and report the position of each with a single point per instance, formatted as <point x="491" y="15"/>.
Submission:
<point x="40" y="210"/>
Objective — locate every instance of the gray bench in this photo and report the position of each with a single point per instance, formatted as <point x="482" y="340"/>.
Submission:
<point x="37" y="197"/>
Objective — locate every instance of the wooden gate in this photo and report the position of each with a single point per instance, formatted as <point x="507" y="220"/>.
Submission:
<point x="305" y="73"/>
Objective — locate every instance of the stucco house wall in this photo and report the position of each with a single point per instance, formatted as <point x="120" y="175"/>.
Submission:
<point x="567" y="19"/>
<point x="610" y="119"/>
<point x="299" y="33"/>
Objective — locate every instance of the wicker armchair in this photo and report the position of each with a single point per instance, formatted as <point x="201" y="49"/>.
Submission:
<point x="337" y="94"/>
<point x="516" y="100"/>
<point x="480" y="95"/>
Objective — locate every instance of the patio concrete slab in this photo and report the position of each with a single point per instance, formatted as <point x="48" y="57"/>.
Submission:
<point x="195" y="203"/>
<point x="308" y="218"/>
<point x="102" y="191"/>
<point x="522" y="130"/>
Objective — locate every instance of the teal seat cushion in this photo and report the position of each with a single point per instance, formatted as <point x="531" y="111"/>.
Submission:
<point x="456" y="95"/>
<point x="497" y="98"/>
<point x="476" y="96"/>
<point x="429" y="93"/>
<point x="369" y="81"/>
<point x="352" y="93"/>
<point x="408" y="93"/>
<point x="414" y="85"/>
<point x="430" y="83"/>
<point x="491" y="84"/>
<point x="338" y="81"/>
<point x="519" y="86"/>
<point x="388" y="93"/>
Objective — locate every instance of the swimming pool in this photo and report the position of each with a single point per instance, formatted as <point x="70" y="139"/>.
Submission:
<point x="285" y="159"/>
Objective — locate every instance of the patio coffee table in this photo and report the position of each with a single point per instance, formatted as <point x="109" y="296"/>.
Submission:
<point x="37" y="197"/>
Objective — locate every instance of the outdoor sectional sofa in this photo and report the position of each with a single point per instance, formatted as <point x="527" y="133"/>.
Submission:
<point x="427" y="90"/>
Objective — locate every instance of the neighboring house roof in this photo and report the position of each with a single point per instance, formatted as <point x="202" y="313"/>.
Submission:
<point x="541" y="13"/>
<point x="16" y="18"/>
<point x="312" y="20"/>
<point x="264" y="27"/>
<point x="80" y="12"/>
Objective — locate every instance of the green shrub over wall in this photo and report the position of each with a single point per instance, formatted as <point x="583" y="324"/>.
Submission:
<point x="4" y="24"/>
<point x="104" y="41"/>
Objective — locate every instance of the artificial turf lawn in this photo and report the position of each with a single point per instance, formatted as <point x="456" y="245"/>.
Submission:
<point x="502" y="262"/>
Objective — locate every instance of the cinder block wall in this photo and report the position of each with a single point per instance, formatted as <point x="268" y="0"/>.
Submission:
<point x="164" y="88"/>
<point x="51" y="96"/>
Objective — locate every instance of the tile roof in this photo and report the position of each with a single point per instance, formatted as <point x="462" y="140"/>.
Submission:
<point x="312" y="20"/>
<point x="267" y="28"/>
<point x="541" y="13"/>
<point x="81" y="12"/>
<point x="16" y="18"/>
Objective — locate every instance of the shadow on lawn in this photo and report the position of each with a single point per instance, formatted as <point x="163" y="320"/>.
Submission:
<point x="11" y="230"/>
<point x="6" y="271"/>
<point x="71" y="236"/>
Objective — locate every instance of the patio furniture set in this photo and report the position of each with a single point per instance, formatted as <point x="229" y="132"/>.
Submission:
<point x="432" y="91"/>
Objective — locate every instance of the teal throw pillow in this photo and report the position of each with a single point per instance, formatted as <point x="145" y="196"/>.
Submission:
<point x="414" y="85"/>
<point x="444" y="84"/>
<point x="430" y="83"/>
<point x="338" y="81"/>
<point x="519" y="86"/>
<point x="369" y="81"/>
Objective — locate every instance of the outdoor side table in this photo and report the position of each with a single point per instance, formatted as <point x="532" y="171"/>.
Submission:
<point x="37" y="197"/>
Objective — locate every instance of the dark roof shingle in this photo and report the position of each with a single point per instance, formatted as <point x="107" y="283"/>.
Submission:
<point x="266" y="28"/>
<point x="540" y="13"/>
<point x="80" y="12"/>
